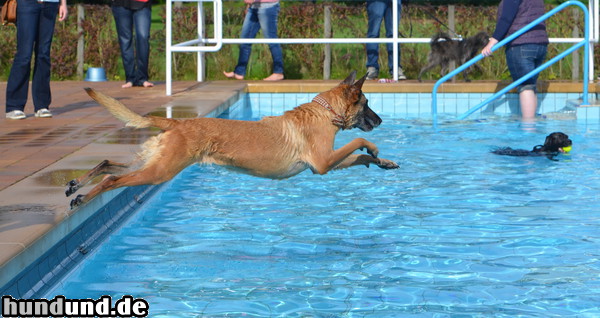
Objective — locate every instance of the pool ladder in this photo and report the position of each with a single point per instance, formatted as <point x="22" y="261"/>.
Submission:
<point x="585" y="43"/>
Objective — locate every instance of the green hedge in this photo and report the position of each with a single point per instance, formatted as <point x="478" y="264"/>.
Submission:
<point x="297" y="19"/>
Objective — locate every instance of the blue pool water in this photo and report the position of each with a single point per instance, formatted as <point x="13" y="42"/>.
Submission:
<point x="456" y="231"/>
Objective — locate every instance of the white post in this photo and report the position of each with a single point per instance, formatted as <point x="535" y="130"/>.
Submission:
<point x="169" y="56"/>
<point x="594" y="12"/>
<point x="200" y="55"/>
<point x="395" y="37"/>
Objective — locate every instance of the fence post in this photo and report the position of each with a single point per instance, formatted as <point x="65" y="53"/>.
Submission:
<point x="80" y="40"/>
<point x="575" y="34"/>
<point x="327" y="48"/>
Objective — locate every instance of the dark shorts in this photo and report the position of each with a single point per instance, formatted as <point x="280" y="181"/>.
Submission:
<point x="522" y="59"/>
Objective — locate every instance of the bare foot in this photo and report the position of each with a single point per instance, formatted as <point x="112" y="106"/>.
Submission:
<point x="127" y="85"/>
<point x="148" y="84"/>
<point x="233" y="75"/>
<point x="274" y="77"/>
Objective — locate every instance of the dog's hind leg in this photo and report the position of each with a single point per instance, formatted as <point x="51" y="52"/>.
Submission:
<point x="445" y="66"/>
<point x="432" y="61"/>
<point x="465" y="75"/>
<point x="162" y="167"/>
<point x="427" y="68"/>
<point x="104" y="167"/>
<point x="148" y="175"/>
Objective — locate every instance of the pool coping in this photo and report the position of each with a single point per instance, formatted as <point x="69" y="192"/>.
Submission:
<point x="41" y="227"/>
<point x="33" y="227"/>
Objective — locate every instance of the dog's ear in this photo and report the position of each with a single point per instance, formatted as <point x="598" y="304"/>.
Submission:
<point x="360" y="82"/>
<point x="350" y="79"/>
<point x="355" y="90"/>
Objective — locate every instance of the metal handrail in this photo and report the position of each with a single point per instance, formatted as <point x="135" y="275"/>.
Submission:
<point x="585" y="42"/>
<point x="197" y="45"/>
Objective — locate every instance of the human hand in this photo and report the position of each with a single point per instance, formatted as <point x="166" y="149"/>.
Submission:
<point x="62" y="11"/>
<point x="249" y="1"/>
<point x="487" y="50"/>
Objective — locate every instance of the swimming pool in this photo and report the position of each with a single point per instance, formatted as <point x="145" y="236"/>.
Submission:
<point x="455" y="231"/>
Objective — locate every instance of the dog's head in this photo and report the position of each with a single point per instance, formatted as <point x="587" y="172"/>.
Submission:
<point x="349" y="101"/>
<point x="556" y="142"/>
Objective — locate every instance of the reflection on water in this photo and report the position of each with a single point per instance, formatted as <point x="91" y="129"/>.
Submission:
<point x="130" y="136"/>
<point x="61" y="177"/>
<point x="181" y="112"/>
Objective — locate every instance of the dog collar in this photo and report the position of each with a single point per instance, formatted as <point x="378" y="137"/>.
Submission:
<point x="338" y="120"/>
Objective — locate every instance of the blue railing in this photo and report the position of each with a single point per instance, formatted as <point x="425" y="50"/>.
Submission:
<point x="585" y="42"/>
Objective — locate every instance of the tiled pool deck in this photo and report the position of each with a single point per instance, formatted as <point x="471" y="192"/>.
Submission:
<point x="40" y="155"/>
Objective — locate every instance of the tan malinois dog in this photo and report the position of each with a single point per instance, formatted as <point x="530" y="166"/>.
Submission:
<point x="275" y="147"/>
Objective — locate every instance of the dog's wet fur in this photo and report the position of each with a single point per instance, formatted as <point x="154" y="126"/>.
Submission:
<point x="444" y="50"/>
<point x="274" y="147"/>
<point x="554" y="144"/>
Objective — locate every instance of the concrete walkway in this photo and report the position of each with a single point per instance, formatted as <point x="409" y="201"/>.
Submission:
<point x="38" y="156"/>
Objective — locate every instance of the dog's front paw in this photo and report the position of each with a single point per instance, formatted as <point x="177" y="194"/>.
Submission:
<point x="373" y="152"/>
<point x="387" y="164"/>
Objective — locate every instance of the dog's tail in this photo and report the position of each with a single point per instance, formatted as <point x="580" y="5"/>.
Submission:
<point x="441" y="36"/>
<point x="124" y="114"/>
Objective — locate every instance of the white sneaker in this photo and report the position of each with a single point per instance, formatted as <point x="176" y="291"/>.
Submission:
<point x="401" y="75"/>
<point x="372" y="73"/>
<point x="43" y="113"/>
<point x="16" y="114"/>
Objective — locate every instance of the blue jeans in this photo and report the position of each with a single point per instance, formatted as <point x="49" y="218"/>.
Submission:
<point x="260" y="16"/>
<point x="35" y="28"/>
<point x="135" y="62"/>
<point x="522" y="59"/>
<point x="378" y="11"/>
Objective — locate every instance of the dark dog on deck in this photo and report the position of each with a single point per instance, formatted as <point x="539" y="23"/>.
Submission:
<point x="555" y="143"/>
<point x="444" y="49"/>
<point x="275" y="147"/>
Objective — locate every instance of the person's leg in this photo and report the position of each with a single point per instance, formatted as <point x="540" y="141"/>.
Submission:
<point x="249" y="30"/>
<point x="389" y="33"/>
<point x="267" y="15"/>
<point x="375" y="11"/>
<point x="528" y="97"/>
<point x="521" y="60"/>
<point x="141" y="22"/>
<point x="40" y="84"/>
<point x="528" y="100"/>
<point x="124" y="24"/>
<point x="17" y="86"/>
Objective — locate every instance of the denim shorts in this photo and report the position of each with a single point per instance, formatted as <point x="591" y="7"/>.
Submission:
<point x="524" y="58"/>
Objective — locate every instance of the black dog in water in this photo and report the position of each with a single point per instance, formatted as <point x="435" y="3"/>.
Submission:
<point x="555" y="143"/>
<point x="444" y="49"/>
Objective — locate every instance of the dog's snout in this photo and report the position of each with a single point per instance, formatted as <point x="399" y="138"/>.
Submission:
<point x="370" y="120"/>
<point x="376" y="119"/>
